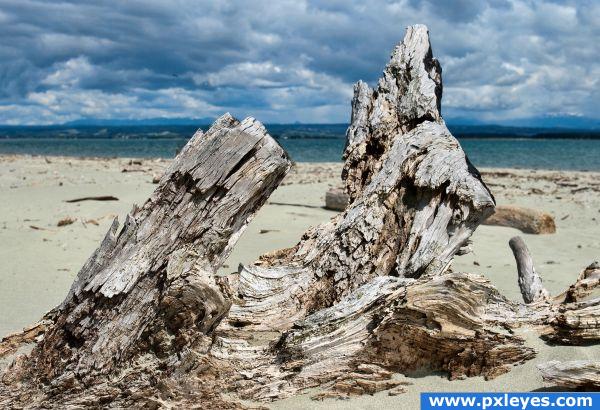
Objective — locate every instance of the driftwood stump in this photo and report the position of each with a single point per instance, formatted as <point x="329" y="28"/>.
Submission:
<point x="369" y="293"/>
<point x="148" y="297"/>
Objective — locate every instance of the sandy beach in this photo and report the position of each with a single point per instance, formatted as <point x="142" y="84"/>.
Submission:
<point x="41" y="259"/>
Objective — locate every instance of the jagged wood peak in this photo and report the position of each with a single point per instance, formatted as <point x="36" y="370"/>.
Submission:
<point x="408" y="93"/>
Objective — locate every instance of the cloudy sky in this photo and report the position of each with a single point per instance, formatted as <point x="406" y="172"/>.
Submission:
<point x="286" y="61"/>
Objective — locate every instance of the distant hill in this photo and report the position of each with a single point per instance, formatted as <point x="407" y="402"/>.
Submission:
<point x="549" y="122"/>
<point x="561" y="122"/>
<point x="569" y="122"/>
<point x="503" y="131"/>
<point x="185" y="127"/>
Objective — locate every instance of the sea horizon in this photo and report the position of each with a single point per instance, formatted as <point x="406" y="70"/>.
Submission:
<point x="485" y="145"/>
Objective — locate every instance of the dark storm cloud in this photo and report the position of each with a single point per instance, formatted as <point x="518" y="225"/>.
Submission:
<point x="287" y="60"/>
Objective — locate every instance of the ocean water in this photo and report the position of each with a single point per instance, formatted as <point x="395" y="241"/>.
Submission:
<point x="316" y="144"/>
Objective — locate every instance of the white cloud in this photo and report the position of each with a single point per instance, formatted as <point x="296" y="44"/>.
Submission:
<point x="69" y="73"/>
<point x="288" y="60"/>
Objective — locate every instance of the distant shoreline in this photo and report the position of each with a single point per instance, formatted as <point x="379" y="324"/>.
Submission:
<point x="574" y="151"/>
<point x="279" y="131"/>
<point x="335" y="164"/>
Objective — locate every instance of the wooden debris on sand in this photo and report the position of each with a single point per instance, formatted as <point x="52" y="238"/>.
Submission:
<point x="336" y="199"/>
<point x="94" y="198"/>
<point x="576" y="374"/>
<point x="68" y="220"/>
<point x="527" y="220"/>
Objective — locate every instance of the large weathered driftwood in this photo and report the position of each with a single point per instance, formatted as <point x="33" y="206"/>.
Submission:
<point x="149" y="294"/>
<point x="367" y="294"/>
<point x="372" y="286"/>
<point x="419" y="205"/>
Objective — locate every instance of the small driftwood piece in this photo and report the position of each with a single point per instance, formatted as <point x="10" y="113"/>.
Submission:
<point x="526" y="220"/>
<point x="577" y="374"/>
<point x="336" y="199"/>
<point x="367" y="294"/>
<point x="66" y="221"/>
<point x="530" y="282"/>
<point x="93" y="198"/>
<point x="572" y="315"/>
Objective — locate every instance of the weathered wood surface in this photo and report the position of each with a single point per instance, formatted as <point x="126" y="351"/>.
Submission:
<point x="577" y="310"/>
<point x="585" y="287"/>
<point x="526" y="220"/>
<point x="408" y="93"/>
<point x="149" y="292"/>
<point x="530" y="282"/>
<point x="571" y="315"/>
<point x="575" y="374"/>
<point x="420" y="204"/>
<point x="362" y="296"/>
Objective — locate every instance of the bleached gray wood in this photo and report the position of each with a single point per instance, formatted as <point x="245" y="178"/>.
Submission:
<point x="576" y="319"/>
<point x="526" y="220"/>
<point x="149" y="293"/>
<point x="415" y="200"/>
<point x="574" y="374"/>
<point x="408" y="93"/>
<point x="530" y="282"/>
<point x="372" y="286"/>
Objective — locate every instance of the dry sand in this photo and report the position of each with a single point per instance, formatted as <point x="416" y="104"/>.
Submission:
<point x="39" y="260"/>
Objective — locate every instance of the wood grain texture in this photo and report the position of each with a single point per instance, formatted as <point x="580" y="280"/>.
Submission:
<point x="408" y="93"/>
<point x="149" y="292"/>
<point x="418" y="206"/>
<point x="575" y="374"/>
